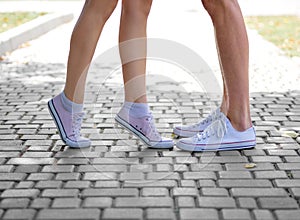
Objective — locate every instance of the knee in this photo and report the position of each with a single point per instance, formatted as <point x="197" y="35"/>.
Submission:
<point x="102" y="8"/>
<point x="218" y="7"/>
<point x="137" y="9"/>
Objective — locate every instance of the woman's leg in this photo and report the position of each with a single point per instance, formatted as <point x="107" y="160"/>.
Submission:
<point x="66" y="108"/>
<point x="83" y="43"/>
<point x="135" y="114"/>
<point x="233" y="49"/>
<point x="133" y="45"/>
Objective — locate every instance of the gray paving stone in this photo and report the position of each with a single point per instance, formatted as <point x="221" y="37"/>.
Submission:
<point x="287" y="214"/>
<point x="77" y="184"/>
<point x="150" y="183"/>
<point x="143" y="202"/>
<point x="261" y="214"/>
<point x="244" y="183"/>
<point x="241" y="167"/>
<point x="198" y="213"/>
<point x="97" y="202"/>
<point x="48" y="184"/>
<point x="247" y="203"/>
<point x="58" y="168"/>
<point x="238" y="214"/>
<point x="50" y="214"/>
<point x="107" y="184"/>
<point x="20" y="193"/>
<point x="160" y="214"/>
<point x="185" y="202"/>
<point x="235" y="175"/>
<point x="66" y="203"/>
<point x="270" y="174"/>
<point x="278" y="203"/>
<point x="287" y="183"/>
<point x="52" y="193"/>
<point x="41" y="161"/>
<point x="179" y="191"/>
<point x="258" y="192"/>
<point x="120" y="213"/>
<point x="100" y="176"/>
<point x="27" y="169"/>
<point x="20" y="203"/>
<point x="40" y="203"/>
<point x="110" y="192"/>
<point x="199" y="175"/>
<point x="216" y="202"/>
<point x="40" y="176"/>
<point x="214" y="192"/>
<point x="25" y="185"/>
<point x="6" y="185"/>
<point x="12" y="176"/>
<point x="12" y="214"/>
<point x="158" y="191"/>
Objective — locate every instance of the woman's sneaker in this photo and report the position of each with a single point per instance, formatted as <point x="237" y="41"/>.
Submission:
<point x="191" y="130"/>
<point x="68" y="124"/>
<point x="219" y="136"/>
<point x="145" y="130"/>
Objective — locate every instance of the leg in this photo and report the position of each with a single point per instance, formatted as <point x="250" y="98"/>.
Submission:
<point x="233" y="49"/>
<point x="135" y="115"/>
<point x="83" y="43"/>
<point x="133" y="25"/>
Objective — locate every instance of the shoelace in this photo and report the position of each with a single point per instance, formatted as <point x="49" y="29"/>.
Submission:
<point x="210" y="118"/>
<point x="218" y="128"/>
<point x="153" y="130"/>
<point x="76" y="123"/>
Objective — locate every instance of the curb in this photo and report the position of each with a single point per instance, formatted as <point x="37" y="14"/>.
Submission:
<point x="13" y="38"/>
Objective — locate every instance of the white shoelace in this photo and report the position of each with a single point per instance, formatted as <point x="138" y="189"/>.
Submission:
<point x="210" y="118"/>
<point x="151" y="125"/>
<point x="76" y="123"/>
<point x="218" y="128"/>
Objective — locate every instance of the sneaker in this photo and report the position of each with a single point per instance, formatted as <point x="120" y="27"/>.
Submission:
<point x="191" y="130"/>
<point x="145" y="130"/>
<point x="68" y="124"/>
<point x="219" y="136"/>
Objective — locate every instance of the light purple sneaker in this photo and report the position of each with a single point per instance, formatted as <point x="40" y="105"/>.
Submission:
<point x="68" y="124"/>
<point x="145" y="130"/>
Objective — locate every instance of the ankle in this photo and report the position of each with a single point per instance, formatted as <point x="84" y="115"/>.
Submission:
<point x="240" y="121"/>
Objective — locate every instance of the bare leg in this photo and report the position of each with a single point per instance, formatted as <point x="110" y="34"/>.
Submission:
<point x="133" y="25"/>
<point x="83" y="43"/>
<point x="233" y="49"/>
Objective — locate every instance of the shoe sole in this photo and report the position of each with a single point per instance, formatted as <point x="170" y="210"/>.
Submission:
<point x="139" y="135"/>
<point x="221" y="147"/>
<point x="61" y="129"/>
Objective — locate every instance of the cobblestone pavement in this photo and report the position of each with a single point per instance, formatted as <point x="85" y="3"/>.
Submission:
<point x="118" y="177"/>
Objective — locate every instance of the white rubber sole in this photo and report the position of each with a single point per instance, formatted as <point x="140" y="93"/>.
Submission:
<point x="61" y="129"/>
<point x="216" y="147"/>
<point x="145" y="140"/>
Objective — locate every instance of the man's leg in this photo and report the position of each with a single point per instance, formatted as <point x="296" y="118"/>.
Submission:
<point x="83" y="43"/>
<point x="233" y="49"/>
<point x="231" y="128"/>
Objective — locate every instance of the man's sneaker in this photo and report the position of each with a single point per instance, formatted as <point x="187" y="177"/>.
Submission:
<point x="219" y="136"/>
<point x="145" y="130"/>
<point x="68" y="124"/>
<point x="191" y="130"/>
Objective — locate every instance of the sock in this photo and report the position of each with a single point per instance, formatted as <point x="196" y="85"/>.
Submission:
<point x="134" y="109"/>
<point x="69" y="105"/>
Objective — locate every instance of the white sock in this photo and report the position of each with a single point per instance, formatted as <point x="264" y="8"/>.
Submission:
<point x="134" y="109"/>
<point x="69" y="105"/>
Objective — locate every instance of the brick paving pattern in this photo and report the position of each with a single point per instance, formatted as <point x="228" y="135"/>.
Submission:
<point x="118" y="177"/>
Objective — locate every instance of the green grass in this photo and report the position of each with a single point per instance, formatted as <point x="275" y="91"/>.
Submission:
<point x="11" y="20"/>
<point x="283" y="31"/>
